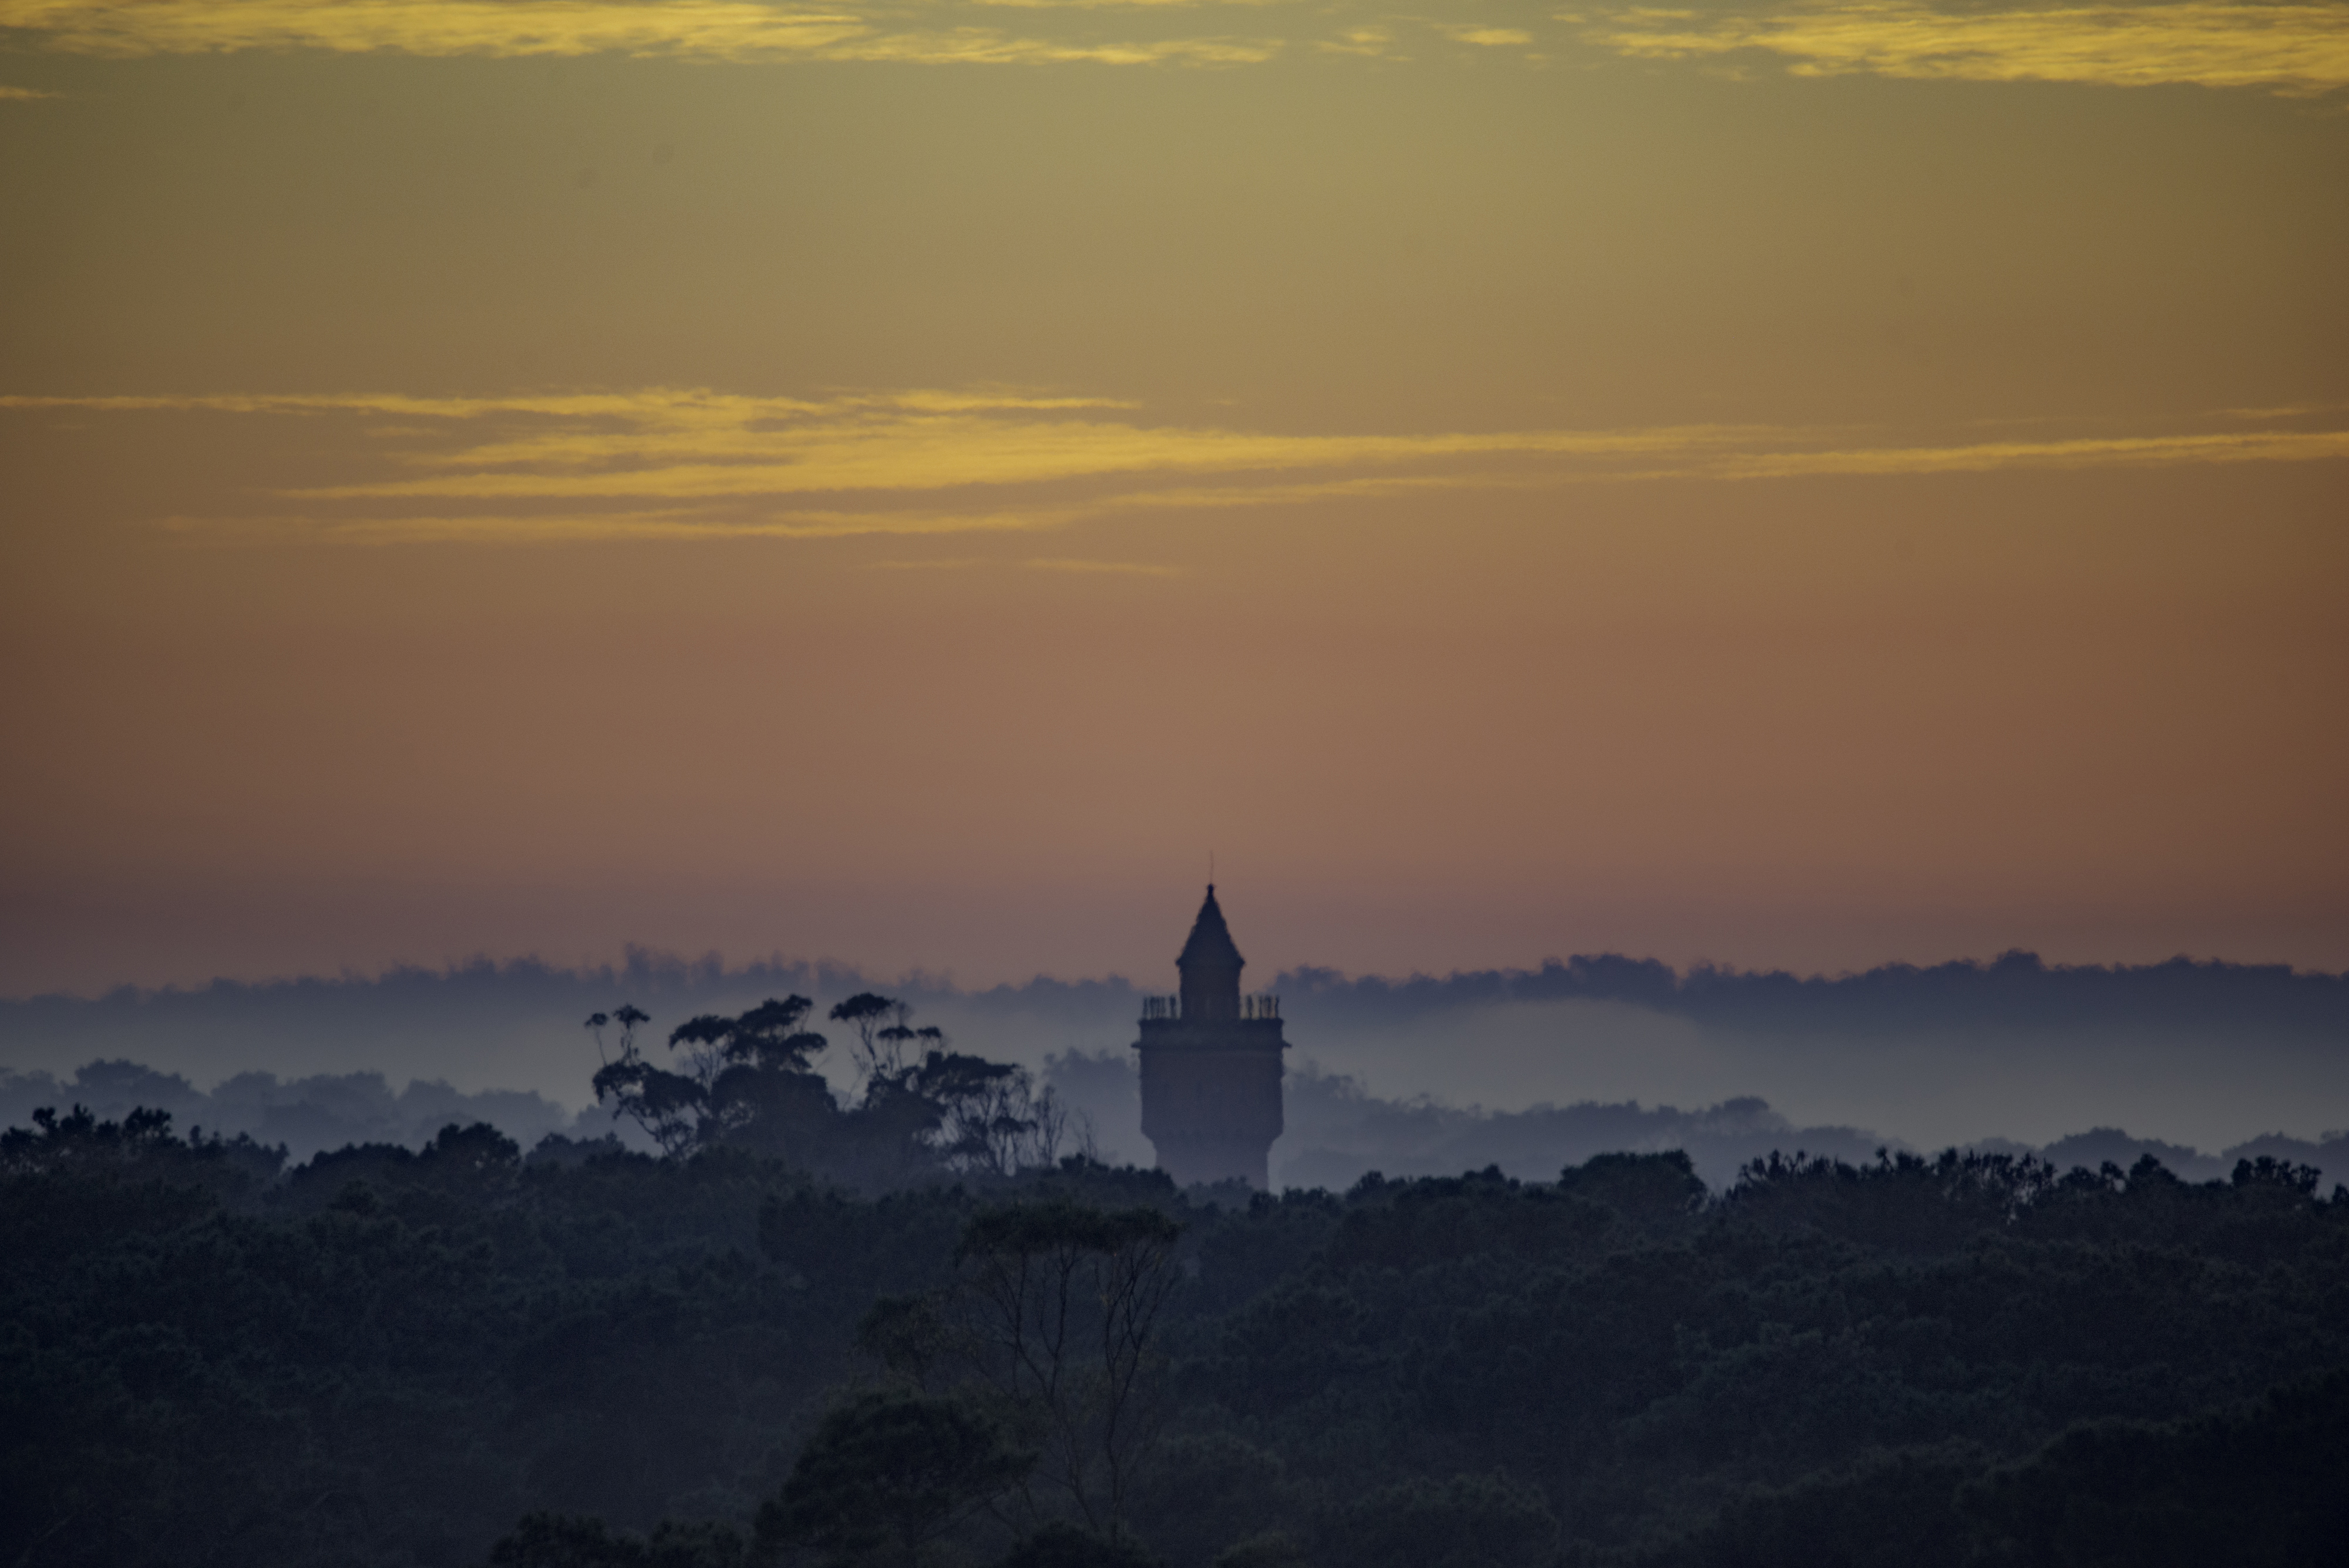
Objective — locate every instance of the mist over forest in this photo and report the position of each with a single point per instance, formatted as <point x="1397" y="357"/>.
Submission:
<point x="2199" y="1064"/>
<point x="911" y="1325"/>
<point x="880" y="1281"/>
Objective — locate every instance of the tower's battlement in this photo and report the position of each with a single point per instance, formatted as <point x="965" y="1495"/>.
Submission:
<point x="1165" y="1009"/>
<point x="1211" y="1064"/>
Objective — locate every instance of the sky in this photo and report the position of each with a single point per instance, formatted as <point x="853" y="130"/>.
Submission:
<point x="1786" y="486"/>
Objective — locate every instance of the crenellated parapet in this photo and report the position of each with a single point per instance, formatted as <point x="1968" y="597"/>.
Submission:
<point x="1256" y="1005"/>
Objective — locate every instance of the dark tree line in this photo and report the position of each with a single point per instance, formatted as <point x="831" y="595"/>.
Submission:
<point x="886" y="1328"/>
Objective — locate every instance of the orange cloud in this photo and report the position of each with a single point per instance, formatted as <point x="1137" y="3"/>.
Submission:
<point x="2302" y="48"/>
<point x="2288" y="48"/>
<point x="666" y="464"/>
<point x="684" y="29"/>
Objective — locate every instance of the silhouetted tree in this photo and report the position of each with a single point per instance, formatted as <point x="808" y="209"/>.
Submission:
<point x="887" y="1475"/>
<point x="863" y="1012"/>
<point x="1057" y="1310"/>
<point x="894" y="1043"/>
<point x="992" y="1117"/>
<point x="667" y="1105"/>
<point x="740" y="1072"/>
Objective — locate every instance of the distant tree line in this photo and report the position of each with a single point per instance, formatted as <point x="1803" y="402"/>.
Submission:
<point x="905" y="1325"/>
<point x="2015" y="991"/>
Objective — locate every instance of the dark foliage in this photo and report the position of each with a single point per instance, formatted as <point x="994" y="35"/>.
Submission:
<point x="556" y="1541"/>
<point x="2262" y="1488"/>
<point x="594" y="1359"/>
<point x="887" y="1474"/>
<point x="1066" y="1546"/>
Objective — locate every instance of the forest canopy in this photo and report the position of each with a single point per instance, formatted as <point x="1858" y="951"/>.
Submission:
<point x="918" y="1323"/>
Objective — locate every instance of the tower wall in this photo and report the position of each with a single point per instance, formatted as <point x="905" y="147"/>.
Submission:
<point x="1211" y="1097"/>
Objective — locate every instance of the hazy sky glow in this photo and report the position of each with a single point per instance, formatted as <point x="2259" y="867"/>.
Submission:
<point x="1799" y="485"/>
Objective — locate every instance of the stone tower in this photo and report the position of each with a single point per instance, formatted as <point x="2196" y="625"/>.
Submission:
<point x="1211" y="1064"/>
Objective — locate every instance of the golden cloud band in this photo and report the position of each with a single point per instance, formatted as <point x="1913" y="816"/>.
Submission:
<point x="2294" y="48"/>
<point x="666" y="464"/>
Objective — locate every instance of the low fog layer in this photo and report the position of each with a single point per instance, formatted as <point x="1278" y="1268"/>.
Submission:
<point x="306" y="1116"/>
<point x="1526" y="1069"/>
<point x="1338" y="1131"/>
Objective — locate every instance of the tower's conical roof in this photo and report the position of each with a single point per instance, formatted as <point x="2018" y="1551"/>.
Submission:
<point x="1210" y="940"/>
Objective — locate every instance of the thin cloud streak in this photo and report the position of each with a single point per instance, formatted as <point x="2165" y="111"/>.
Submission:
<point x="2287" y="48"/>
<point x="591" y="527"/>
<point x="1485" y="37"/>
<point x="730" y="30"/>
<point x="943" y="455"/>
<point x="665" y="463"/>
<point x="2257" y="446"/>
<point x="2290" y="48"/>
<point x="670" y="404"/>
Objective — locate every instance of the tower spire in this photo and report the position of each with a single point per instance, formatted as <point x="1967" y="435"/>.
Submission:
<point x="1210" y="965"/>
